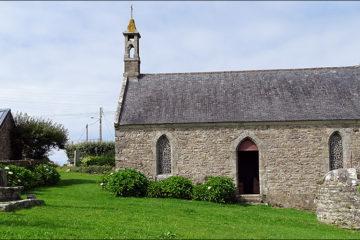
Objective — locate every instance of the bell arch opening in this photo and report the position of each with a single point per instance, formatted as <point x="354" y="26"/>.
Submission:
<point x="248" y="167"/>
<point x="132" y="52"/>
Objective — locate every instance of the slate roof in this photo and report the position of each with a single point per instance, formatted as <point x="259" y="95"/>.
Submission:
<point x="243" y="96"/>
<point x="3" y="114"/>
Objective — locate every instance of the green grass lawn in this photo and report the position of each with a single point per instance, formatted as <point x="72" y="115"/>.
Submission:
<point x="78" y="208"/>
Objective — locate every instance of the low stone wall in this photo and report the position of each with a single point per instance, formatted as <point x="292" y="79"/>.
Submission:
<point x="14" y="205"/>
<point x="10" y="193"/>
<point x="338" y="199"/>
<point x="22" y="162"/>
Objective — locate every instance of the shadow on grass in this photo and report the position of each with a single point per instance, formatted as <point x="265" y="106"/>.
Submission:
<point x="84" y="207"/>
<point x="62" y="183"/>
<point x="37" y="223"/>
<point x="69" y="182"/>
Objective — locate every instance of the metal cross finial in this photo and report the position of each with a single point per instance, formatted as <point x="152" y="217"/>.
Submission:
<point x="131" y="11"/>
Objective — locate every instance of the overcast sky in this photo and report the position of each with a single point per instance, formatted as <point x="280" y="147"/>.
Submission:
<point x="63" y="60"/>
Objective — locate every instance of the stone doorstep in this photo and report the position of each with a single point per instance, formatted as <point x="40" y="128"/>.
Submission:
<point x="14" y="205"/>
<point x="250" y="198"/>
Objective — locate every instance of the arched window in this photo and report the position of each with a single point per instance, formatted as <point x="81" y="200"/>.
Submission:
<point x="335" y="151"/>
<point x="163" y="150"/>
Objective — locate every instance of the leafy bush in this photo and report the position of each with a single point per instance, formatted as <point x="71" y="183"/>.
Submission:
<point x="91" y="149"/>
<point x="200" y="192"/>
<point x="90" y="169"/>
<point x="46" y="174"/>
<point x="127" y="183"/>
<point x="20" y="176"/>
<point x="215" y="189"/>
<point x="172" y="187"/>
<point x="155" y="189"/>
<point x="105" y="179"/>
<point x="36" y="137"/>
<point x="177" y="187"/>
<point x="99" y="160"/>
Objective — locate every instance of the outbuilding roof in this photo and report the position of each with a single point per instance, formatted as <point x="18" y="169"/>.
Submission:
<point x="3" y="114"/>
<point x="243" y="96"/>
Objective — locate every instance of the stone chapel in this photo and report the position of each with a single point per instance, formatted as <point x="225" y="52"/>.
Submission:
<point x="276" y="133"/>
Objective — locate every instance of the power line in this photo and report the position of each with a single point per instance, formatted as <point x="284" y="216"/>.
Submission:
<point x="93" y="123"/>
<point x="76" y="114"/>
<point x="54" y="91"/>
<point x="106" y="124"/>
<point x="81" y="135"/>
<point x="86" y="130"/>
<point x="47" y="102"/>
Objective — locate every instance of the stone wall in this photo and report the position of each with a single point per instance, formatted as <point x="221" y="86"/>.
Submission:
<point x="338" y="200"/>
<point x="293" y="158"/>
<point x="10" y="193"/>
<point x="23" y="162"/>
<point x="5" y="138"/>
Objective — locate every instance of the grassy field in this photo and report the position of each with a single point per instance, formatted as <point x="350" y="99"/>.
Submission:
<point x="78" y="208"/>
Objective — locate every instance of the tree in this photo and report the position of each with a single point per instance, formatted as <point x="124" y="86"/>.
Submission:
<point x="36" y="137"/>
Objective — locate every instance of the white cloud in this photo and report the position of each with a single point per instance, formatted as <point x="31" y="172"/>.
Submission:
<point x="65" y="58"/>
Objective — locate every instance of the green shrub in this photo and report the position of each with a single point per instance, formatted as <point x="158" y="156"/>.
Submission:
<point x="155" y="189"/>
<point x="46" y="174"/>
<point x="174" y="187"/>
<point x="20" y="176"/>
<point x="215" y="189"/>
<point x="35" y="137"/>
<point x="90" y="169"/>
<point x="90" y="149"/>
<point x="127" y="183"/>
<point x="105" y="179"/>
<point x="99" y="160"/>
<point x="199" y="192"/>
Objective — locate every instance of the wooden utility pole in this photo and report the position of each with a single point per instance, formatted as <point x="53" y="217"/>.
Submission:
<point x="87" y="132"/>
<point x="100" y="125"/>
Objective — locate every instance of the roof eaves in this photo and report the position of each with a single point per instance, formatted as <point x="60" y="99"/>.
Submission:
<point x="4" y="114"/>
<point x="121" y="101"/>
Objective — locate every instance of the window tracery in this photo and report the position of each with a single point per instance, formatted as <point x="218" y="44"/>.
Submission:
<point x="335" y="151"/>
<point x="163" y="155"/>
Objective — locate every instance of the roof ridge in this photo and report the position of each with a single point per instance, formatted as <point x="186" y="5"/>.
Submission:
<point x="260" y="70"/>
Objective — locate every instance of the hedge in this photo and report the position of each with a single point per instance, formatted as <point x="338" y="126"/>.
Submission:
<point x="89" y="169"/>
<point x="105" y="160"/>
<point x="90" y="149"/>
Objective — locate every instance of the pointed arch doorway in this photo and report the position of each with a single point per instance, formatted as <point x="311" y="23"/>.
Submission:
<point x="248" y="167"/>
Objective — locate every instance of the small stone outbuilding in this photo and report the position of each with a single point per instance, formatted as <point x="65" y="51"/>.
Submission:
<point x="276" y="133"/>
<point x="7" y="127"/>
